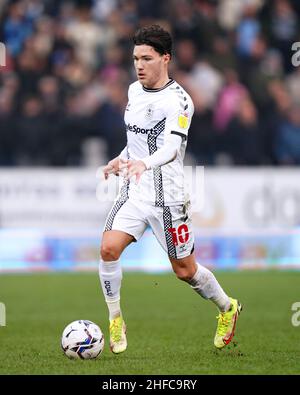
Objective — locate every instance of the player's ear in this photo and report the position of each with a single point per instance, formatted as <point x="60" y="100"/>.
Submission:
<point x="167" y="58"/>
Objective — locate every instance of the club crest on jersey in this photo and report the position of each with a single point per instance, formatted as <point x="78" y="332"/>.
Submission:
<point x="183" y="119"/>
<point x="149" y="111"/>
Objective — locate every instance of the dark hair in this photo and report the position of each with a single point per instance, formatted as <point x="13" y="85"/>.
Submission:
<point x="156" y="37"/>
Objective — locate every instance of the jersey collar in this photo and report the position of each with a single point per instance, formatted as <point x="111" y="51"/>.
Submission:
<point x="158" y="89"/>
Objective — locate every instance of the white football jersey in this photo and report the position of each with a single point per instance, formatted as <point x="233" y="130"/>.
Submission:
<point x="150" y="115"/>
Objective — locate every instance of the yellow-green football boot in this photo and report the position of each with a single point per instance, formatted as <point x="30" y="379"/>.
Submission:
<point x="117" y="332"/>
<point x="227" y="323"/>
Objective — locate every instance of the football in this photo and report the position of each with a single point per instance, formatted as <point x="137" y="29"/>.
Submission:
<point x="82" y="339"/>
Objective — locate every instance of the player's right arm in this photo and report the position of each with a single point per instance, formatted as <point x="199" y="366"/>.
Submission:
<point x="115" y="165"/>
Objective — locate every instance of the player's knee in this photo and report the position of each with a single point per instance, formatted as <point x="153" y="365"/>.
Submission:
<point x="183" y="274"/>
<point x="109" y="252"/>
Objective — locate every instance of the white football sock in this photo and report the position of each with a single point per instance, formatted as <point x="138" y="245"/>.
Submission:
<point x="206" y="285"/>
<point x="110" y="274"/>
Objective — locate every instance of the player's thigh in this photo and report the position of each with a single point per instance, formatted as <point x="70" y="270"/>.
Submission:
<point x="125" y="223"/>
<point x="113" y="243"/>
<point x="128" y="217"/>
<point x="172" y="227"/>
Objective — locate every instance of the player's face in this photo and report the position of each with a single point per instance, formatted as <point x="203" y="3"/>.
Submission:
<point x="150" y="66"/>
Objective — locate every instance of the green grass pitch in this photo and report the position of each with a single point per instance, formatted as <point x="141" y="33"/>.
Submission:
<point x="170" y="328"/>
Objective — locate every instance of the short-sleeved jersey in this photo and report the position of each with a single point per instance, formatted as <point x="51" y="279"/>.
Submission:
<point x="151" y="115"/>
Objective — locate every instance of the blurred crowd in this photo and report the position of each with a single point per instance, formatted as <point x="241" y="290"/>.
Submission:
<point x="64" y="87"/>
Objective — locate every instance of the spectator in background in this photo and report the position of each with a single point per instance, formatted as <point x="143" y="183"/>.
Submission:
<point x="7" y="129"/>
<point x="110" y="117"/>
<point x="202" y="138"/>
<point x="247" y="31"/>
<point x="228" y="102"/>
<point x="292" y="82"/>
<point x="185" y="22"/>
<point x="62" y="53"/>
<point x="49" y="91"/>
<point x="42" y="39"/>
<point x="149" y="10"/>
<point x="32" y="136"/>
<point x="122" y="26"/>
<point x="287" y="142"/>
<point x="87" y="37"/>
<point x="101" y="9"/>
<point x="243" y="138"/>
<point x="255" y="74"/>
<point x="29" y="71"/>
<point x="207" y="24"/>
<point x="8" y="91"/>
<point x="75" y="56"/>
<point x="280" y="102"/>
<point x="51" y="98"/>
<point x="222" y="56"/>
<point x="186" y="55"/>
<point x="207" y="81"/>
<point x="229" y="14"/>
<point x="284" y="29"/>
<point x="17" y="27"/>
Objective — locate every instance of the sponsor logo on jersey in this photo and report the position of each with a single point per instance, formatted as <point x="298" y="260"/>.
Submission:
<point x="135" y="129"/>
<point x="183" y="120"/>
<point x="149" y="111"/>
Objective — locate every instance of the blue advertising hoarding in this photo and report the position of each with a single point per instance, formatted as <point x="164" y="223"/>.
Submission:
<point x="36" y="250"/>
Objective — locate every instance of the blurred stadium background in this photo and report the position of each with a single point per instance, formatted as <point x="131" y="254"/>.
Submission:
<point x="63" y="91"/>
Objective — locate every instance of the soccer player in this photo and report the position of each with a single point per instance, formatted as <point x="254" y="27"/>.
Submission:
<point x="157" y="118"/>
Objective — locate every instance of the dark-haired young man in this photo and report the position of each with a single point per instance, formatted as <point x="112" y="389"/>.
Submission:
<point x="157" y="118"/>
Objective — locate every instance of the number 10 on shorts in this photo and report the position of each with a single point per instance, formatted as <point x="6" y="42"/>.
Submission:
<point x="179" y="235"/>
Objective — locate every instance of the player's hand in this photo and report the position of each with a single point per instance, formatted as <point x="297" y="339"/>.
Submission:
<point x="135" y="168"/>
<point x="113" y="167"/>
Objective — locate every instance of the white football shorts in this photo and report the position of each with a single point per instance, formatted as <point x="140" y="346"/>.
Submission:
<point x="171" y="225"/>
